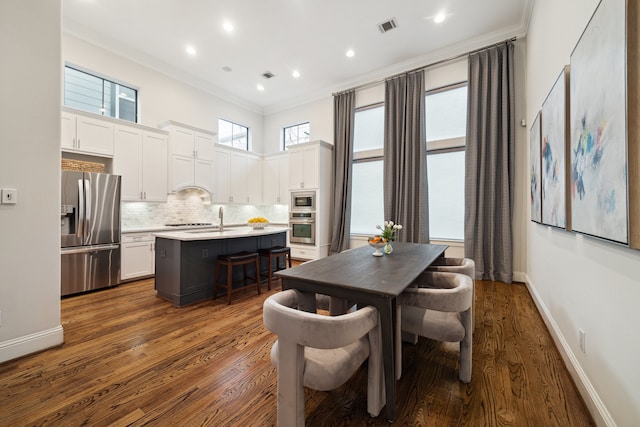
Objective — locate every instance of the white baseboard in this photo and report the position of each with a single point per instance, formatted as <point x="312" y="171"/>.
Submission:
<point x="519" y="276"/>
<point x="31" y="343"/>
<point x="595" y="405"/>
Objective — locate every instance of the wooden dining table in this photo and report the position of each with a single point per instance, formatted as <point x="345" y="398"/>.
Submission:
<point x="357" y="276"/>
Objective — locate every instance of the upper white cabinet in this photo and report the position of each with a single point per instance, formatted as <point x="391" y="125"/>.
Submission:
<point x="140" y="157"/>
<point x="306" y="161"/>
<point x="275" y="179"/>
<point x="85" y="134"/>
<point x="238" y="177"/>
<point x="191" y="154"/>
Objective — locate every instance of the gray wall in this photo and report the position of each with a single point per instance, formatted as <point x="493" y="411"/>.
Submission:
<point x="30" y="42"/>
<point x="580" y="282"/>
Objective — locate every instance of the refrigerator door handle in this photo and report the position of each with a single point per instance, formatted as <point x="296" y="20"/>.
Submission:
<point x="86" y="249"/>
<point x="80" y="212"/>
<point x="87" y="211"/>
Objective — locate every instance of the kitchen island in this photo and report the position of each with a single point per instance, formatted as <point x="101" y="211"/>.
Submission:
<point x="185" y="260"/>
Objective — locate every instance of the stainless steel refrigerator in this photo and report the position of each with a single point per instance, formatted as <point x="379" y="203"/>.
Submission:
<point x="89" y="231"/>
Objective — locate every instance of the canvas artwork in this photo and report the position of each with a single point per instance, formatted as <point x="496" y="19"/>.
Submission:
<point x="598" y="122"/>
<point x="554" y="112"/>
<point x="534" y="159"/>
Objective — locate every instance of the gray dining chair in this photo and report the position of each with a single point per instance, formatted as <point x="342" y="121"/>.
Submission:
<point x="321" y="352"/>
<point x="464" y="266"/>
<point x="439" y="308"/>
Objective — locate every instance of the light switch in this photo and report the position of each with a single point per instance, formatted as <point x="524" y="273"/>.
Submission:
<point x="9" y="196"/>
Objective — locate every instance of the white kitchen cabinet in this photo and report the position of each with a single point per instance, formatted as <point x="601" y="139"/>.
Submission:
<point x="137" y="255"/>
<point x="275" y="180"/>
<point x="254" y="179"/>
<point x="86" y="134"/>
<point x="304" y="166"/>
<point x="238" y="177"/>
<point x="140" y="157"/>
<point x="191" y="157"/>
<point x="222" y="193"/>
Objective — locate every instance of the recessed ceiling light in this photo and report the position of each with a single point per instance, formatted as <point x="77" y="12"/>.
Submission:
<point x="439" y="17"/>
<point x="260" y="87"/>
<point x="350" y="53"/>
<point x="228" y="26"/>
<point x="190" y="50"/>
<point x="295" y="74"/>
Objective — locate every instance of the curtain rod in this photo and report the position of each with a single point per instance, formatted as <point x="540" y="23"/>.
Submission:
<point x="424" y="67"/>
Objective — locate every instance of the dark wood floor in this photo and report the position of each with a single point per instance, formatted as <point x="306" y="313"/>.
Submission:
<point x="130" y="358"/>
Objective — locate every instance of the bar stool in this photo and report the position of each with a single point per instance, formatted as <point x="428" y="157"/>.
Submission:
<point x="243" y="259"/>
<point x="277" y="253"/>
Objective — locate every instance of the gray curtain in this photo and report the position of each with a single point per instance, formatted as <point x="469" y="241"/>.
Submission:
<point x="490" y="162"/>
<point x="405" y="161"/>
<point x="343" y="124"/>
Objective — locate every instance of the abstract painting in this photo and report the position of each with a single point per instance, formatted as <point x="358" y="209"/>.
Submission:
<point x="554" y="112"/>
<point x="598" y="156"/>
<point x="534" y="159"/>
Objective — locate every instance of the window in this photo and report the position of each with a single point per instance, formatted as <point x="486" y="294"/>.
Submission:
<point x="446" y="121"/>
<point x="367" y="202"/>
<point x="98" y="95"/>
<point x="295" y="134"/>
<point x="233" y="134"/>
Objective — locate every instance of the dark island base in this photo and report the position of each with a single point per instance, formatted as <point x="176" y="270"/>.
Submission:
<point x="185" y="270"/>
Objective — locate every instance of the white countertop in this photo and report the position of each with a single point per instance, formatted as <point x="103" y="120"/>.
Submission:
<point x="163" y="228"/>
<point x="213" y="233"/>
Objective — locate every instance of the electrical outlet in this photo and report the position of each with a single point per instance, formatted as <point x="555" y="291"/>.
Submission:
<point x="205" y="253"/>
<point x="582" y="337"/>
<point x="9" y="196"/>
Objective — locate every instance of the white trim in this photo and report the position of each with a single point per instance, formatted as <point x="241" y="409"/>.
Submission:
<point x="31" y="343"/>
<point x="592" y="400"/>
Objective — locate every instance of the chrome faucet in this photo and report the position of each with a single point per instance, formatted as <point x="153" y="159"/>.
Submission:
<point x="221" y="215"/>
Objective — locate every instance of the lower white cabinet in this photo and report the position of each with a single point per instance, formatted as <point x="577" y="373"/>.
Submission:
<point x="137" y="255"/>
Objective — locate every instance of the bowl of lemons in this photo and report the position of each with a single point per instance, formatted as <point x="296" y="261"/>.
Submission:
<point x="258" y="222"/>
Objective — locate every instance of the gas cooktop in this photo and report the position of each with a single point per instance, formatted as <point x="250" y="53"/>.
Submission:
<point x="188" y="224"/>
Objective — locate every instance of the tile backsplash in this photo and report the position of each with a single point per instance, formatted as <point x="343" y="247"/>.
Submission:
<point x="193" y="205"/>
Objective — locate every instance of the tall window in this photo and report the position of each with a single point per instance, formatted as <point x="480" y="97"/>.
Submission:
<point x="446" y="127"/>
<point x="295" y="134"/>
<point x="367" y="202"/>
<point x="98" y="95"/>
<point x="233" y="134"/>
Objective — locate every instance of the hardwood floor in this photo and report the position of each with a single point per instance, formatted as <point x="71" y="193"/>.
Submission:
<point x="130" y="358"/>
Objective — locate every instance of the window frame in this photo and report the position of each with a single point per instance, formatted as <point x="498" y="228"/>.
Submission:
<point x="297" y="125"/>
<point x="117" y="83"/>
<point x="232" y="138"/>
<point x="447" y="145"/>
<point x="366" y="156"/>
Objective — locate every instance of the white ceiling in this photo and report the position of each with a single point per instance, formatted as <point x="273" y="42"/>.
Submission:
<point x="311" y="36"/>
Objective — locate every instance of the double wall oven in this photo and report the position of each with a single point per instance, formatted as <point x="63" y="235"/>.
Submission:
<point x="302" y="218"/>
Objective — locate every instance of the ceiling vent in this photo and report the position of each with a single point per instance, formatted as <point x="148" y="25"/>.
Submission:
<point x="387" y="25"/>
<point x="268" y="74"/>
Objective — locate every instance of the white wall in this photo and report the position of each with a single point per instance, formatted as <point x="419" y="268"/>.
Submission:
<point x="161" y="97"/>
<point x="318" y="113"/>
<point x="581" y="282"/>
<point x="30" y="163"/>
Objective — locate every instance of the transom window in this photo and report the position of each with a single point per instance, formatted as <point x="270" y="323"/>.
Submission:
<point x="96" y="94"/>
<point x="296" y="134"/>
<point x="233" y="134"/>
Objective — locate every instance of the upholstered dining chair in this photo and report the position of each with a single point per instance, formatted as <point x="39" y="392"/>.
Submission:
<point x="464" y="266"/>
<point x="439" y="308"/>
<point x="321" y="352"/>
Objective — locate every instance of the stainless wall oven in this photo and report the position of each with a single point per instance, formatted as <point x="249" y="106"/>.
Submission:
<point x="303" y="227"/>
